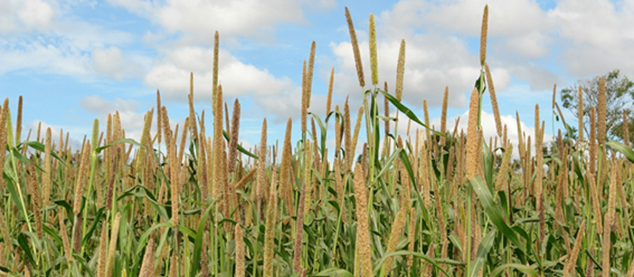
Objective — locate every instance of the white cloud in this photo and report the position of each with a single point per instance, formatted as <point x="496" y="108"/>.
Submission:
<point x="42" y="37"/>
<point x="432" y="61"/>
<point x="131" y="120"/>
<point x="596" y="36"/>
<point x="276" y="95"/>
<point x="55" y="132"/>
<point x="198" y="20"/>
<point x="27" y="15"/>
<point x="112" y="62"/>
<point x="96" y="104"/>
<point x="489" y="130"/>
<point x="36" y="13"/>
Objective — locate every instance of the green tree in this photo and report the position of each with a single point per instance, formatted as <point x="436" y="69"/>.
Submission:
<point x="619" y="95"/>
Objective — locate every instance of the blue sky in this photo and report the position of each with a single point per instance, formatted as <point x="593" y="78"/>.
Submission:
<point x="77" y="60"/>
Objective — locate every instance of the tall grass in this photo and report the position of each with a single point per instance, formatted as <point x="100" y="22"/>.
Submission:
<point x="444" y="203"/>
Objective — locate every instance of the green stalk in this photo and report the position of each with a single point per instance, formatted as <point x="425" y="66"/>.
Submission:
<point x="336" y="238"/>
<point x="16" y="179"/>
<point x="91" y="180"/>
<point x="481" y="92"/>
<point x="468" y="218"/>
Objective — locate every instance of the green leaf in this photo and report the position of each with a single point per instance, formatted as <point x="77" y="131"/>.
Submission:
<point x="408" y="166"/>
<point x="387" y="163"/>
<point x="24" y="244"/>
<point x="434" y="262"/>
<point x="334" y="272"/>
<point x="240" y="148"/>
<point x="323" y="134"/>
<point x="406" y="111"/>
<point x="40" y="147"/>
<point x="493" y="211"/>
<point x="121" y="140"/>
<point x="523" y="268"/>
<point x="93" y="226"/>
<point x="483" y="251"/>
<point x="144" y="237"/>
<point x="488" y="164"/>
<point x="624" y="149"/>
<point x="198" y="243"/>
<point x="15" y="196"/>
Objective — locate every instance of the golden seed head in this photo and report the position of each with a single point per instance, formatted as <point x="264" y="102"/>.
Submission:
<point x="240" y="258"/>
<point x="304" y="99"/>
<point x="81" y="177"/>
<point x="215" y="69"/>
<point x="373" y="54"/>
<point x="626" y="129"/>
<point x="601" y="108"/>
<point x="235" y="129"/>
<point x="580" y="113"/>
<point x="355" y="136"/>
<point x="483" y="35"/>
<point x="400" y="71"/>
<point x="330" y="84"/>
<point x="113" y="245"/>
<point x="309" y="74"/>
<point x="494" y="100"/>
<point x="472" y="143"/>
<point x="355" y="49"/>
<point x="261" y="173"/>
<point x="269" y="231"/>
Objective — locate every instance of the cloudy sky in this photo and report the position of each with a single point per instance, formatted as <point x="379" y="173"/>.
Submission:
<point x="77" y="60"/>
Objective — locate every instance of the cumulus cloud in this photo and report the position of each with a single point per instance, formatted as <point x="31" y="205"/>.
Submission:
<point x="276" y="95"/>
<point x="73" y="142"/>
<point x="432" y="61"/>
<point x="19" y="16"/>
<point x="131" y="120"/>
<point x="198" y="20"/>
<point x="489" y="130"/>
<point x="112" y="62"/>
<point x="596" y="36"/>
<point x="35" y="38"/>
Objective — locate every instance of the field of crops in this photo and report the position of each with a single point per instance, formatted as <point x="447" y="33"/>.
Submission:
<point x="188" y="200"/>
